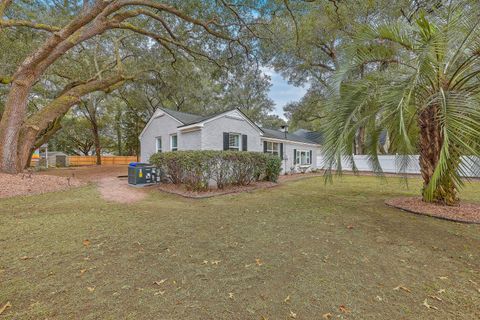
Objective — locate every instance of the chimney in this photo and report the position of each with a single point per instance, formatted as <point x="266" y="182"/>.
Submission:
<point x="284" y="129"/>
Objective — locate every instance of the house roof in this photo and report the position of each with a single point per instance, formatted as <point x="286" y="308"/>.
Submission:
<point x="277" y="134"/>
<point x="303" y="136"/>
<point x="314" y="136"/>
<point x="183" y="117"/>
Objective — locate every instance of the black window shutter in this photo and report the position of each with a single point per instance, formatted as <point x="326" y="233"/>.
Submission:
<point x="281" y="151"/>
<point x="226" y="144"/>
<point x="311" y="160"/>
<point x="294" y="156"/>
<point x="244" y="142"/>
<point x="264" y="146"/>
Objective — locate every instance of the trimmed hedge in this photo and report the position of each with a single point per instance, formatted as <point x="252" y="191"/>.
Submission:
<point x="196" y="169"/>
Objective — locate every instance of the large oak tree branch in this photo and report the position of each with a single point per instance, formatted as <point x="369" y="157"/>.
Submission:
<point x="70" y="97"/>
<point x="30" y="24"/>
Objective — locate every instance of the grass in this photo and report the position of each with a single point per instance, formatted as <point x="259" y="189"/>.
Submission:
<point x="300" y="249"/>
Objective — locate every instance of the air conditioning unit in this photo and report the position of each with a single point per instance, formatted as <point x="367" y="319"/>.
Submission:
<point x="142" y="174"/>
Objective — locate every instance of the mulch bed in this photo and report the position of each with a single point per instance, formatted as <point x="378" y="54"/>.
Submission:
<point x="465" y="212"/>
<point x="28" y="184"/>
<point x="182" y="191"/>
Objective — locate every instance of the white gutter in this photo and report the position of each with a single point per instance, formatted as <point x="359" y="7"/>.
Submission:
<point x="291" y="141"/>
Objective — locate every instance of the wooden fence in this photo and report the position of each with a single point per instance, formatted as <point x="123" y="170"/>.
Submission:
<point x="75" y="161"/>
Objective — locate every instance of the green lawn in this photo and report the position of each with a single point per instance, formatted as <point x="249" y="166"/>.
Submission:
<point x="302" y="248"/>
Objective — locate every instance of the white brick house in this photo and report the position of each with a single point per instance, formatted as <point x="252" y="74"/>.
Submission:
<point x="169" y="130"/>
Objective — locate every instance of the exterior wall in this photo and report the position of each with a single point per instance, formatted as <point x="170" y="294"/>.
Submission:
<point x="190" y="140"/>
<point x="288" y="148"/>
<point x="163" y="127"/>
<point x="210" y="137"/>
<point x="212" y="133"/>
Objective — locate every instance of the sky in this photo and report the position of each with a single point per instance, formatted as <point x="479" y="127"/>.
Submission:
<point x="282" y="92"/>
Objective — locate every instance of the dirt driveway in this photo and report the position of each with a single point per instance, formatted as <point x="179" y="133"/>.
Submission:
<point x="110" y="185"/>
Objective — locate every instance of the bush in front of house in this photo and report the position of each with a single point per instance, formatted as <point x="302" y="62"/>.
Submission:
<point x="273" y="168"/>
<point x="196" y="169"/>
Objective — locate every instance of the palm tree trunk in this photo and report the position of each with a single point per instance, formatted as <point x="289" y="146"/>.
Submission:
<point x="430" y="145"/>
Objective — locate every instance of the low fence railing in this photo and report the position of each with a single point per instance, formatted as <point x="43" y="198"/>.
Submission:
<point x="75" y="161"/>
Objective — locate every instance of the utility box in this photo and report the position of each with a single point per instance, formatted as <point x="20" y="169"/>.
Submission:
<point x="142" y="174"/>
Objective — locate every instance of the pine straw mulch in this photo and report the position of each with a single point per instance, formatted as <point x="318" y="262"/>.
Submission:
<point x="24" y="184"/>
<point x="181" y="190"/>
<point x="465" y="212"/>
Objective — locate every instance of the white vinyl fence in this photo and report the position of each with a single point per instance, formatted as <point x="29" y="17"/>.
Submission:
<point x="392" y="164"/>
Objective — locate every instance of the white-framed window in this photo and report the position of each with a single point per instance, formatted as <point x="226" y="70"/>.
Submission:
<point x="234" y="141"/>
<point x="173" y="142"/>
<point x="158" y="144"/>
<point x="273" y="148"/>
<point x="303" y="157"/>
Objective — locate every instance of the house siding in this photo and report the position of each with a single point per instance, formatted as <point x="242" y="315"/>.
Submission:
<point x="163" y="127"/>
<point x="190" y="140"/>
<point x="212" y="133"/>
<point x="210" y="137"/>
<point x="288" y="148"/>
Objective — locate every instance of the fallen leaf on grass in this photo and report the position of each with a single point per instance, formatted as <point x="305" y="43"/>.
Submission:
<point x="293" y="314"/>
<point x="159" y="282"/>
<point x="91" y="289"/>
<point x="86" y="242"/>
<point x="471" y="281"/>
<point x="327" y="315"/>
<point x="426" y="305"/>
<point x="402" y="288"/>
<point x="5" y="307"/>
<point x="287" y="299"/>
<point x="343" y="309"/>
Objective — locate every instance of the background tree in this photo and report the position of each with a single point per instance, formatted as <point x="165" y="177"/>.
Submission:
<point x="311" y="44"/>
<point x="184" y="30"/>
<point x="74" y="137"/>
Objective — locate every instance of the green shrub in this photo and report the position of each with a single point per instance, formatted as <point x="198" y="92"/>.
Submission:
<point x="273" y="168"/>
<point x="196" y="169"/>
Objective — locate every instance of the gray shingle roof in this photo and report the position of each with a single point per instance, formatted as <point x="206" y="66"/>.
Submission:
<point x="314" y="136"/>
<point x="183" y="117"/>
<point x="297" y="136"/>
<point x="277" y="134"/>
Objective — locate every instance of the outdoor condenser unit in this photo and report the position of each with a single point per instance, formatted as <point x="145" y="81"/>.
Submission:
<point x="142" y="174"/>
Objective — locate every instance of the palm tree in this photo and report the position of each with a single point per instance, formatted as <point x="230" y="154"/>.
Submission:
<point x="422" y="86"/>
